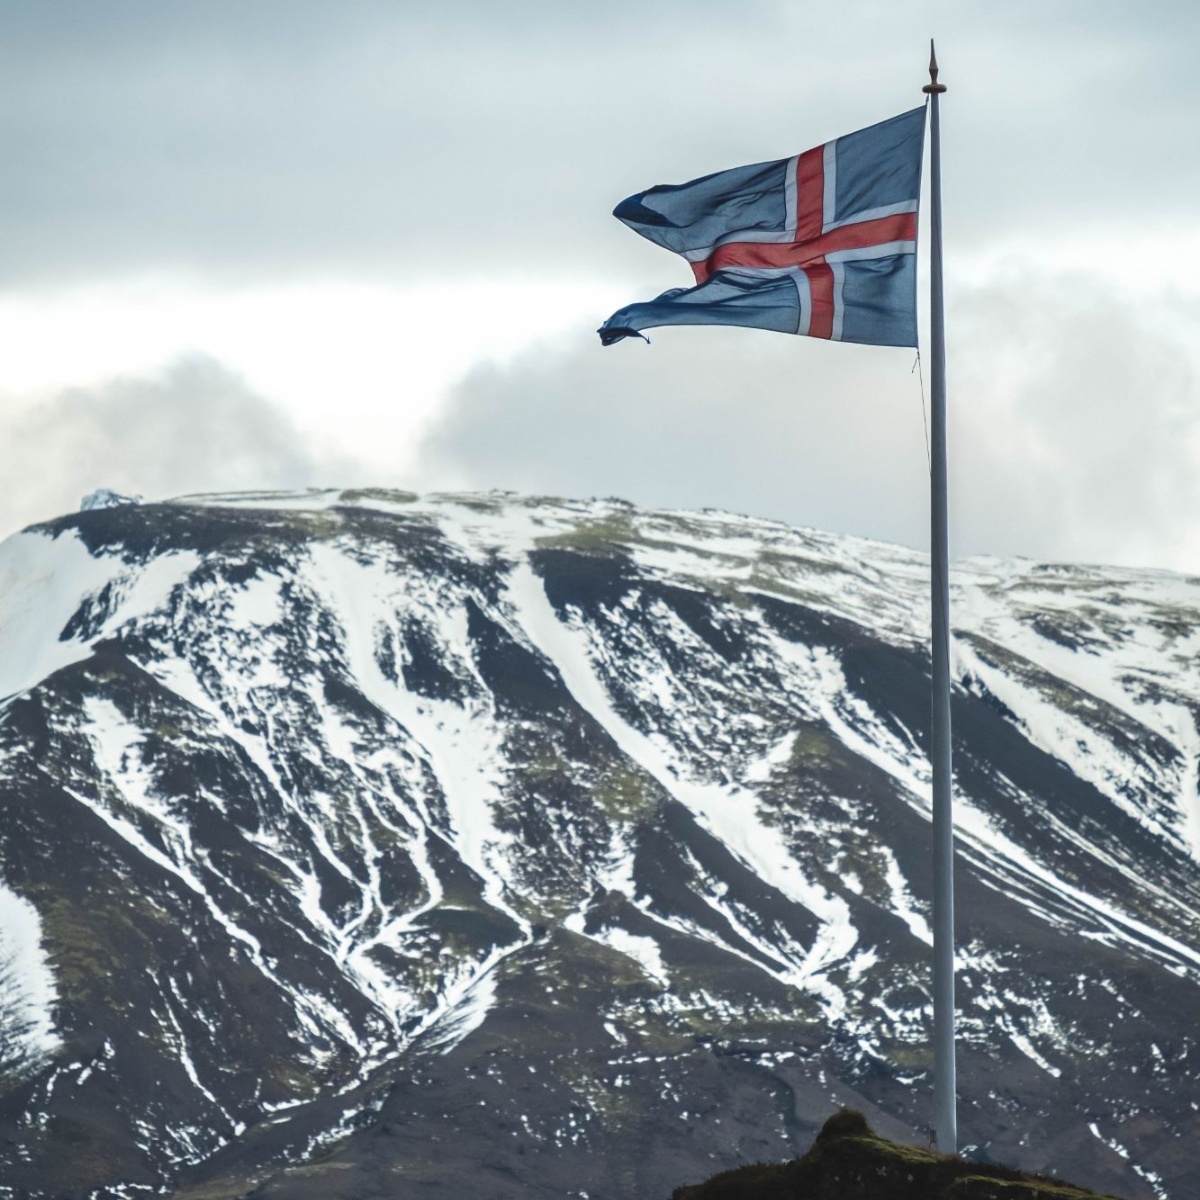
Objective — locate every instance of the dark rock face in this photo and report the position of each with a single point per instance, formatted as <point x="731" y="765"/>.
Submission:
<point x="385" y="847"/>
<point x="849" y="1162"/>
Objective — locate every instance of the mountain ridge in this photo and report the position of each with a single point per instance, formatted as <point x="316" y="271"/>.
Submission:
<point x="342" y="810"/>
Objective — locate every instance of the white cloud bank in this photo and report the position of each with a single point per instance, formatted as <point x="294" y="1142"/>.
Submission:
<point x="194" y="427"/>
<point x="1075" y="426"/>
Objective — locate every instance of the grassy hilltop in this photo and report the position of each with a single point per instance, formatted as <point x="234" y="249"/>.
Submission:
<point x="850" y="1162"/>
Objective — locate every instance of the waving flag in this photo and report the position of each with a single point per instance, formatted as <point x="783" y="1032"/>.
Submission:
<point x="822" y="244"/>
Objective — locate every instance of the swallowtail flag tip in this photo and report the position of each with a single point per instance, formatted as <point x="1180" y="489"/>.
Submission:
<point x="822" y="244"/>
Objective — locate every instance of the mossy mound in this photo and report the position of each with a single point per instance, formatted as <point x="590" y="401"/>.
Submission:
<point x="850" y="1162"/>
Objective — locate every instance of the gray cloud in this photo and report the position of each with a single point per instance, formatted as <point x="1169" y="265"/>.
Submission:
<point x="1077" y="424"/>
<point x="370" y="140"/>
<point x="197" y="427"/>
<point x="734" y="419"/>
<point x="416" y="141"/>
<point x="1074" y="428"/>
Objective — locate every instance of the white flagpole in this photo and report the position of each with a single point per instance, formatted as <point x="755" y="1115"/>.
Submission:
<point x="944" y="1089"/>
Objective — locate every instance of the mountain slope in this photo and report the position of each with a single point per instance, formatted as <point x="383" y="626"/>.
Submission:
<point x="381" y="842"/>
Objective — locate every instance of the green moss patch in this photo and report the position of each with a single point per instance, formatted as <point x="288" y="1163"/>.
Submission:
<point x="591" y="537"/>
<point x="850" y="1162"/>
<point x="378" y="494"/>
<point x="626" y="795"/>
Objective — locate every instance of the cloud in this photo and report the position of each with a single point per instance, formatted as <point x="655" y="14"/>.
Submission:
<point x="196" y="427"/>
<point x="401" y="141"/>
<point x="1077" y="422"/>
<point x="1074" y="427"/>
<point x="411" y="142"/>
<point x="733" y="419"/>
<point x="294" y="144"/>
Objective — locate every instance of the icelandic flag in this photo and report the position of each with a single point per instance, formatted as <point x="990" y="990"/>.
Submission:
<point x="823" y="244"/>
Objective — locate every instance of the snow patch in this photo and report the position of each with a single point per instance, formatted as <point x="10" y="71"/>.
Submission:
<point x="27" y="990"/>
<point x="644" y="951"/>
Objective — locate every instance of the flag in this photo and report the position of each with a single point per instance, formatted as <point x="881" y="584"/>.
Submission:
<point x="822" y="244"/>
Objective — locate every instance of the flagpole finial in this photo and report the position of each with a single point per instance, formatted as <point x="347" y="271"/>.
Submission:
<point x="933" y="87"/>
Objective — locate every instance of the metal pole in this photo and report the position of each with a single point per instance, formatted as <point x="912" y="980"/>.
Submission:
<point x="944" y="1090"/>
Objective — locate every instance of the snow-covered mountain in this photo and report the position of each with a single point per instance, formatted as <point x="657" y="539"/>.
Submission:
<point x="354" y="844"/>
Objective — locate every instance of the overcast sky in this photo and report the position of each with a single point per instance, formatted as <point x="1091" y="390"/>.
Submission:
<point x="289" y="243"/>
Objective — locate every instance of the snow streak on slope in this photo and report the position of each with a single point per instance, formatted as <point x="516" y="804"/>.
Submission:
<point x="883" y="589"/>
<point x="726" y="812"/>
<point x="1121" y="639"/>
<point x="460" y="743"/>
<point x="27" y="991"/>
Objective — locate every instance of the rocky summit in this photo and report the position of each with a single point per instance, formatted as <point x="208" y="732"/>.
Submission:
<point x="355" y="844"/>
